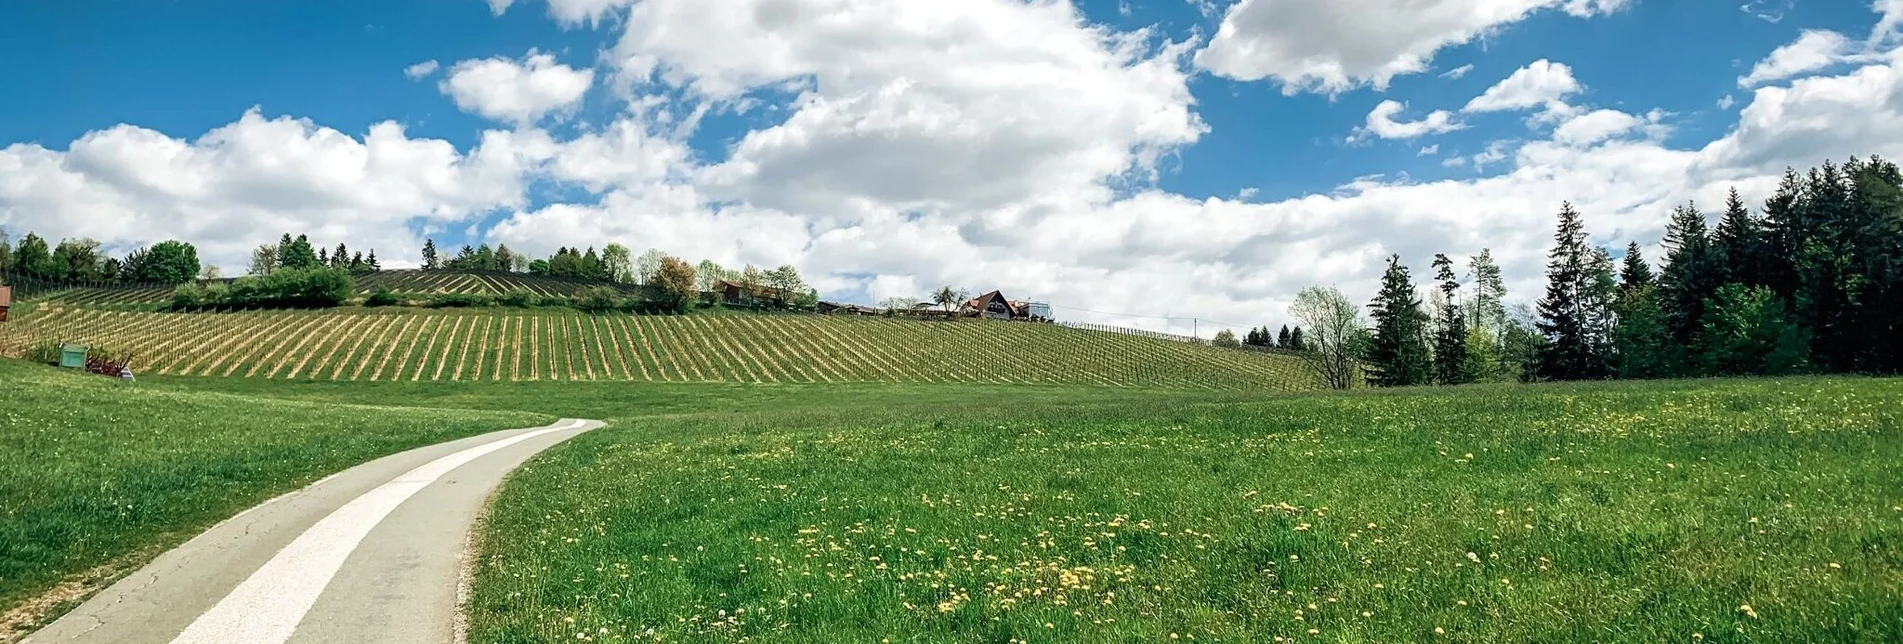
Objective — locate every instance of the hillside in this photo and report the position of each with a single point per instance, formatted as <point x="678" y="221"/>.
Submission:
<point x="555" y="344"/>
<point x="401" y="281"/>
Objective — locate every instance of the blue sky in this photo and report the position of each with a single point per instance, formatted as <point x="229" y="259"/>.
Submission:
<point x="1273" y="183"/>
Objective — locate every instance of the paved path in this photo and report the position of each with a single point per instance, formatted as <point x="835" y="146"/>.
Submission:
<point x="371" y="554"/>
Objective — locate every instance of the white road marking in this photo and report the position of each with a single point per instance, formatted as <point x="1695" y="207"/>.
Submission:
<point x="267" y="607"/>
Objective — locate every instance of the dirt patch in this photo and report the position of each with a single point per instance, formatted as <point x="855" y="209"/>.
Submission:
<point x="19" y="621"/>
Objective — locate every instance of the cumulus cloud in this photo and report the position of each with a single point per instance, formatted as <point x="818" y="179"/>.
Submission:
<point x="246" y="182"/>
<point x="419" y="70"/>
<point x="1813" y="50"/>
<point x="1539" y="83"/>
<point x="1381" y="123"/>
<point x="1599" y="125"/>
<point x="1338" y="45"/>
<point x="516" y="91"/>
<point x="899" y="100"/>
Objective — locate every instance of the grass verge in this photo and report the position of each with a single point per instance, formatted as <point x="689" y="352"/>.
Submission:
<point x="99" y="476"/>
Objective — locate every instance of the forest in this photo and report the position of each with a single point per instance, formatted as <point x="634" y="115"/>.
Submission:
<point x="1812" y="282"/>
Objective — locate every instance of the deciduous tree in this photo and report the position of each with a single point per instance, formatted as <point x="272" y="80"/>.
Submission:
<point x="1334" y="324"/>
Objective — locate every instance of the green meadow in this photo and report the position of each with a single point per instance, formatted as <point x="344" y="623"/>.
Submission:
<point x="1763" y="510"/>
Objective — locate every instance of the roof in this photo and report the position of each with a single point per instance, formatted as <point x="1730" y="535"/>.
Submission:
<point x="982" y="301"/>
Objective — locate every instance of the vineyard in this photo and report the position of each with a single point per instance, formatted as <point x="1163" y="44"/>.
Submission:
<point x="399" y="281"/>
<point x="397" y="345"/>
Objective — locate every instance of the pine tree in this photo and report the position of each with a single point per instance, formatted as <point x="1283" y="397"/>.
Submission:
<point x="1450" y="332"/>
<point x="1829" y="284"/>
<point x="371" y="261"/>
<point x="1295" y="340"/>
<point x="1690" y="275"/>
<point x="1735" y="244"/>
<point x="1568" y="353"/>
<point x="1399" y="356"/>
<point x="1598" y="302"/>
<point x="1877" y="203"/>
<point x="1634" y="273"/>
<point x="340" y="258"/>
<point x="296" y="253"/>
<point x="429" y="254"/>
<point x="1784" y="234"/>
<point x="1485" y="309"/>
<point x="1282" y="338"/>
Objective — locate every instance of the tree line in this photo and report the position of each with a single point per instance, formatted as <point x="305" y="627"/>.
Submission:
<point x="781" y="287"/>
<point x="1812" y="282"/>
<point x="80" y="259"/>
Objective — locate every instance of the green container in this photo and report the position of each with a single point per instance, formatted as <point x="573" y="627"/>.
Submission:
<point x="72" y="356"/>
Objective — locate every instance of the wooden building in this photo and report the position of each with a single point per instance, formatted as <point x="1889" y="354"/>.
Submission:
<point x="6" y="301"/>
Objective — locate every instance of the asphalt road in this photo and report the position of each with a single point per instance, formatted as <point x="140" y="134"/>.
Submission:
<point x="371" y="554"/>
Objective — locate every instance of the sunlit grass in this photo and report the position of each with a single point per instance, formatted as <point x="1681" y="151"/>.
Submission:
<point x="1768" y="510"/>
<point x="95" y="472"/>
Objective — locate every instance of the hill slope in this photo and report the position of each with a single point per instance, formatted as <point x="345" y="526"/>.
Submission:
<point x="405" y="281"/>
<point x="467" y="345"/>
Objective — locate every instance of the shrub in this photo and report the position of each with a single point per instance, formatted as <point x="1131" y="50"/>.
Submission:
<point x="382" y="297"/>
<point x="43" y="352"/>
<point x="458" y="300"/>
<point x="285" y="287"/>
<point x="597" y="299"/>
<point x="517" y="299"/>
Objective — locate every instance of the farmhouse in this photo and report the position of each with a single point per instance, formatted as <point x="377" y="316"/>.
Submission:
<point x="736" y="294"/>
<point x="994" y="305"/>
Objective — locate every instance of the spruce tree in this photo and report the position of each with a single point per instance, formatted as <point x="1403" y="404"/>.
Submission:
<point x="1398" y="356"/>
<point x="1567" y="353"/>
<point x="1877" y="203"/>
<point x="429" y="254"/>
<point x="1282" y="338"/>
<point x="371" y="261"/>
<point x="1450" y="333"/>
<point x="1784" y="234"/>
<point x="1735" y="244"/>
<point x="1690" y="276"/>
<point x="1295" y="340"/>
<point x="1634" y="273"/>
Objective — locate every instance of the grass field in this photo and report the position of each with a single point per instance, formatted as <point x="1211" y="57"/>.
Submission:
<point x="100" y="476"/>
<point x="385" y="345"/>
<point x="1719" y="511"/>
<point x="1760" y="511"/>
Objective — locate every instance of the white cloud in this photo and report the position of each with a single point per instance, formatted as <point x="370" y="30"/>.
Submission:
<point x="571" y="13"/>
<point x="918" y="105"/>
<point x="1428" y="151"/>
<point x="1725" y="102"/>
<point x="1599" y="125"/>
<point x="1341" y="44"/>
<point x="520" y="92"/>
<point x="1539" y="83"/>
<point x="1815" y="49"/>
<point x="246" y="182"/>
<point x="1381" y="123"/>
<point x="421" y="69"/>
<point x="1457" y="72"/>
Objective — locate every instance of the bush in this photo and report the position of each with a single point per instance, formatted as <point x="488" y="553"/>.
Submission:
<point x="517" y="299"/>
<point x="459" y="300"/>
<point x="382" y="297"/>
<point x="43" y="352"/>
<point x="597" y="299"/>
<point x="283" y="288"/>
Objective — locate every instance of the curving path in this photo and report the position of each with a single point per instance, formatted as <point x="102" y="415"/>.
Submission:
<point x="371" y="554"/>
